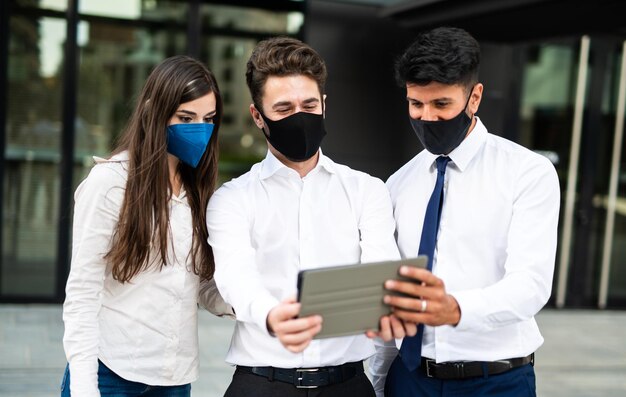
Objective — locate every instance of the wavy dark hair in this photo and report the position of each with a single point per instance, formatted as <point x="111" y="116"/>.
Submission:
<point x="282" y="56"/>
<point x="446" y="55"/>
<point x="144" y="215"/>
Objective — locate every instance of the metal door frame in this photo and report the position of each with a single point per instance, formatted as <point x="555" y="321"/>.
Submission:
<point x="613" y="185"/>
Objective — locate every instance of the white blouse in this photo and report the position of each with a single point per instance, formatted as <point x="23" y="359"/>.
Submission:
<point x="144" y="330"/>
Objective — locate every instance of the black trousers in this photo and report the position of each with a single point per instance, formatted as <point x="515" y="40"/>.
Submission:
<point x="251" y="385"/>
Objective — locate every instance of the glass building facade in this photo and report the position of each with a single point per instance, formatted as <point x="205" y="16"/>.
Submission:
<point x="70" y="72"/>
<point x="570" y="110"/>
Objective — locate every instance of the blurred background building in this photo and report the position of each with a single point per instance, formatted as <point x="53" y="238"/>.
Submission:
<point x="554" y="74"/>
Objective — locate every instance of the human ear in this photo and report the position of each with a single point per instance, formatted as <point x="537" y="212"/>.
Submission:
<point x="476" y="97"/>
<point x="256" y="116"/>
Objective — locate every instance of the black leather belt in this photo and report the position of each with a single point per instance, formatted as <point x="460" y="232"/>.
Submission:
<point x="308" y="378"/>
<point x="471" y="369"/>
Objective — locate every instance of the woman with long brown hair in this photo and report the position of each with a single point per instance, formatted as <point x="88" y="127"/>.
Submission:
<point x="140" y="258"/>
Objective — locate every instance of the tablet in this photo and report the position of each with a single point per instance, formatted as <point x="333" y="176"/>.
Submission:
<point x="349" y="297"/>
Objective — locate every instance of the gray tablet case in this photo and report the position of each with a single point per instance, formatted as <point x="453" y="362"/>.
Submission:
<point x="350" y="297"/>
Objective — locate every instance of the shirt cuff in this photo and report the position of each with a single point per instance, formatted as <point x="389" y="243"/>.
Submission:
<point x="472" y="310"/>
<point x="84" y="378"/>
<point x="260" y="309"/>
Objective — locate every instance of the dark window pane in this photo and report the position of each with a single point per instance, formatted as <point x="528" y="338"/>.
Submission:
<point x="31" y="176"/>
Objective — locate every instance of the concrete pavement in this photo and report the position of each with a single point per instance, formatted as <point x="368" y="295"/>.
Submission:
<point x="584" y="354"/>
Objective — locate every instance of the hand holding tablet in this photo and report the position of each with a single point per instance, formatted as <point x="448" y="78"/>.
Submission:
<point x="349" y="297"/>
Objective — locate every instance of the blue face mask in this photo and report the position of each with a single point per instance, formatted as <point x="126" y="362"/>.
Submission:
<point x="189" y="141"/>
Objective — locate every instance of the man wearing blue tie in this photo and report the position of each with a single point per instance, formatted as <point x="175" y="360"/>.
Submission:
<point x="485" y="210"/>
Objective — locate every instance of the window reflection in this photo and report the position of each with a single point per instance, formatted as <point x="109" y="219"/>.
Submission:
<point x="59" y="5"/>
<point x="119" y="42"/>
<point x="31" y="188"/>
<point x="127" y="9"/>
<point x="250" y="19"/>
<point x="114" y="63"/>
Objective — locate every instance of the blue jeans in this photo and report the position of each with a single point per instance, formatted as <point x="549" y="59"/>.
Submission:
<point x="112" y="385"/>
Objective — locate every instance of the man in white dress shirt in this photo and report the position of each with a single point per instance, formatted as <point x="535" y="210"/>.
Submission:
<point x="296" y="209"/>
<point x="493" y="250"/>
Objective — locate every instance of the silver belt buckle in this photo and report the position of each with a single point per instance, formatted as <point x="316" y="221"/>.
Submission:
<point x="299" y="384"/>
<point x="428" y="362"/>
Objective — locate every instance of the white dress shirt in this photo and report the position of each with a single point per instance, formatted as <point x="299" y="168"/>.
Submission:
<point x="270" y="223"/>
<point x="144" y="330"/>
<point x="496" y="243"/>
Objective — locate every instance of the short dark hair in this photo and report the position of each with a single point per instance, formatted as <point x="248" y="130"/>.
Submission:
<point x="445" y="55"/>
<point x="282" y="56"/>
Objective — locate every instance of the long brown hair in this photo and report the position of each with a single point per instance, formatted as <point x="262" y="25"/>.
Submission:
<point x="144" y="215"/>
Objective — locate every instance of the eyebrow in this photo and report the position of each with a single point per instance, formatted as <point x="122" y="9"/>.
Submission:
<point x="289" y="103"/>
<point x="190" y="113"/>
<point x="433" y="100"/>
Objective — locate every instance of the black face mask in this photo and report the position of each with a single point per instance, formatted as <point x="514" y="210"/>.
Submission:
<point x="297" y="137"/>
<point x="442" y="136"/>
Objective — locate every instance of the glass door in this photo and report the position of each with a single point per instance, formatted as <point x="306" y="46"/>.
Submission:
<point x="572" y="111"/>
<point x="546" y="114"/>
<point x="612" y="290"/>
<point x="32" y="156"/>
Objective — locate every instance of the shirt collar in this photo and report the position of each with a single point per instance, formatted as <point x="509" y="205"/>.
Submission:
<point x="122" y="157"/>
<point x="463" y="154"/>
<point x="271" y="165"/>
<point x="326" y="163"/>
<point x="116" y="158"/>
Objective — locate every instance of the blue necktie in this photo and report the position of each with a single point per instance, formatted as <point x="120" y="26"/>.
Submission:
<point x="411" y="349"/>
